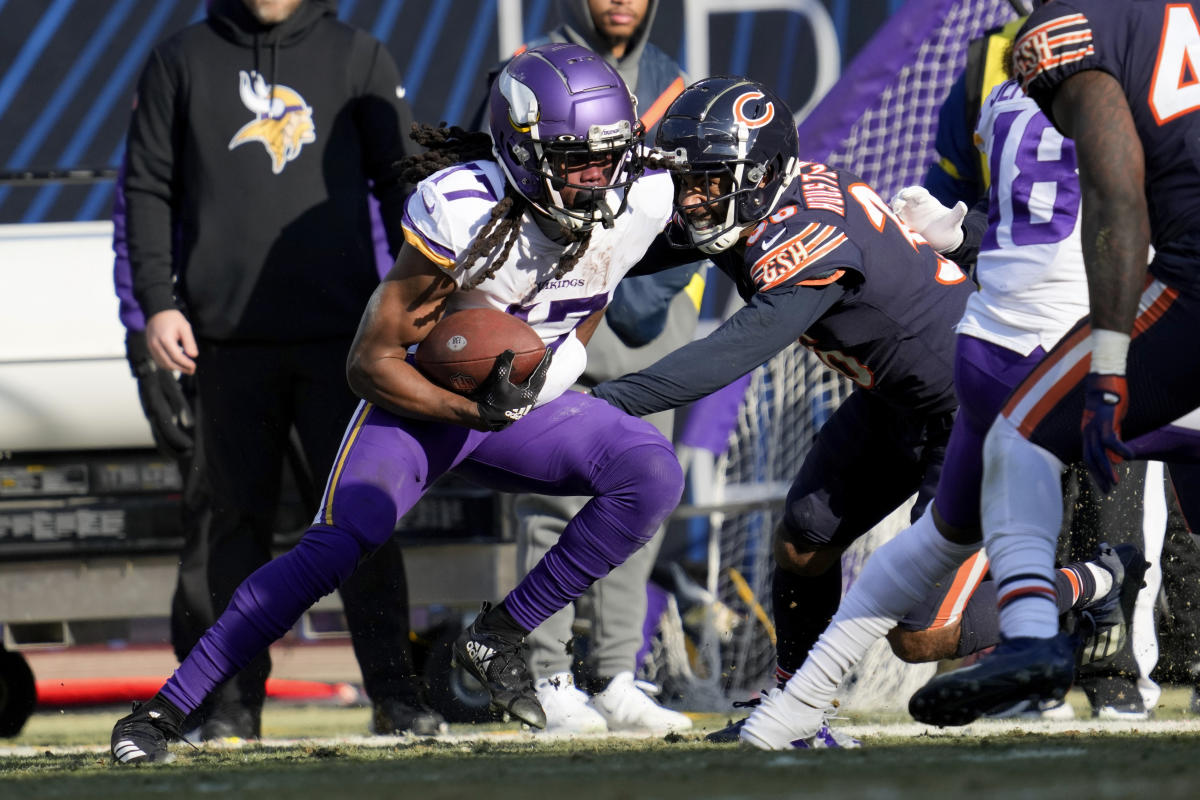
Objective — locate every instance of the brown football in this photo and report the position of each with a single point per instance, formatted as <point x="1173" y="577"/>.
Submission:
<point x="460" y="351"/>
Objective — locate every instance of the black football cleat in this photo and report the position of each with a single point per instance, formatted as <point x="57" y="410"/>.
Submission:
<point x="1021" y="668"/>
<point x="232" y="722"/>
<point x="496" y="660"/>
<point x="732" y="733"/>
<point x="396" y="717"/>
<point x="142" y="737"/>
<point x="1104" y="624"/>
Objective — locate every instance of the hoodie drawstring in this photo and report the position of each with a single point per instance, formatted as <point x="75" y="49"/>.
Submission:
<point x="258" y="59"/>
<point x="274" y="69"/>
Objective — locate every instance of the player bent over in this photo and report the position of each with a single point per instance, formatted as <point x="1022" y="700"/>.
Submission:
<point x="818" y="256"/>
<point x="544" y="229"/>
<point x="1032" y="291"/>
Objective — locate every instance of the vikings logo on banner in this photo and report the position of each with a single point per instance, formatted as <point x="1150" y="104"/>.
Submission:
<point x="282" y="119"/>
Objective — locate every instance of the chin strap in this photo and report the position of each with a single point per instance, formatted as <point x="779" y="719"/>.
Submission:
<point x="723" y="242"/>
<point x="730" y="237"/>
<point x="606" y="215"/>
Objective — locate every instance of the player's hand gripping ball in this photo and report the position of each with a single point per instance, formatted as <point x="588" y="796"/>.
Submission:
<point x="461" y="350"/>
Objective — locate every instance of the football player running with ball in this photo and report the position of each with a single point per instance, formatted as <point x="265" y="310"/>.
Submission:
<point x="818" y="257"/>
<point x="543" y="227"/>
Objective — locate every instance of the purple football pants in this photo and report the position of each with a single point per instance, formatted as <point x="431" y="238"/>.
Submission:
<point x="984" y="376"/>
<point x="574" y="445"/>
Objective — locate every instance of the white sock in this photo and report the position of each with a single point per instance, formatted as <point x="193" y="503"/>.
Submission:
<point x="894" y="579"/>
<point x="1022" y="512"/>
<point x="1103" y="578"/>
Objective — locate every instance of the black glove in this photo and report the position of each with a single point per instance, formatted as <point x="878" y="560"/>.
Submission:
<point x="163" y="401"/>
<point x="502" y="402"/>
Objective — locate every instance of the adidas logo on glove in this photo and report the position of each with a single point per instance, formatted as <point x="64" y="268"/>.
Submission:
<point x="516" y="413"/>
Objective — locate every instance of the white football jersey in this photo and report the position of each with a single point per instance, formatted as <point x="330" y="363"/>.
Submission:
<point x="1030" y="270"/>
<point x="448" y="209"/>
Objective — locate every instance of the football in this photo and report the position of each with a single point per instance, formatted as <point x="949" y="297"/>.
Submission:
<point x="460" y="351"/>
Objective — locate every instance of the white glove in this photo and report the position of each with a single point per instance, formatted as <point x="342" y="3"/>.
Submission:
<point x="924" y="213"/>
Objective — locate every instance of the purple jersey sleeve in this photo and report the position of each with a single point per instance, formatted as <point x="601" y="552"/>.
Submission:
<point x="129" y="311"/>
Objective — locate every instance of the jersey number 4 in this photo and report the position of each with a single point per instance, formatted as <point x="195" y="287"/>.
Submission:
<point x="1175" y="88"/>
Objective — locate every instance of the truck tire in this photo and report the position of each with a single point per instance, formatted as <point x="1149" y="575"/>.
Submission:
<point x="18" y="693"/>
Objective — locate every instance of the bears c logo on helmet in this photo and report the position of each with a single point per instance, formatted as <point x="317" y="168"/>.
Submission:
<point x="756" y="122"/>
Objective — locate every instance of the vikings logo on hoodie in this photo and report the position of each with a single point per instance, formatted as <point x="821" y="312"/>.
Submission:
<point x="283" y="120"/>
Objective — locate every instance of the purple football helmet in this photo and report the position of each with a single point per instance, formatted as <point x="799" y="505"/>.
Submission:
<point x="556" y="109"/>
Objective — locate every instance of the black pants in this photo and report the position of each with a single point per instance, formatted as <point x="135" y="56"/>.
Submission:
<point x="1091" y="517"/>
<point x="250" y="398"/>
<point x="1179" y="604"/>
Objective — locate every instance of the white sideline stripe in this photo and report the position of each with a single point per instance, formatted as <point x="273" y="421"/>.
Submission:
<point x="910" y="729"/>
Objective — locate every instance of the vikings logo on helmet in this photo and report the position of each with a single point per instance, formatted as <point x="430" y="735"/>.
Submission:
<point x="283" y="120"/>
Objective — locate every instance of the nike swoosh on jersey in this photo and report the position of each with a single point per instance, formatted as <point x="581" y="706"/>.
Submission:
<point x="769" y="243"/>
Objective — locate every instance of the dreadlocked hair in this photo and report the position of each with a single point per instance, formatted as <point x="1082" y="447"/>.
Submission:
<point x="502" y="228"/>
<point x="568" y="260"/>
<point x="446" y="147"/>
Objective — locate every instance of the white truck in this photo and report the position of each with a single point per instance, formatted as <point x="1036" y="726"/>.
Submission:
<point x="80" y="481"/>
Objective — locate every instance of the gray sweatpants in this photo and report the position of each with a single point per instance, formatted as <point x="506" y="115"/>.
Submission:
<point x="616" y="604"/>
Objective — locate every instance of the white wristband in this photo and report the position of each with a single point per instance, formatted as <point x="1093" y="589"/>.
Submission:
<point x="1109" y="350"/>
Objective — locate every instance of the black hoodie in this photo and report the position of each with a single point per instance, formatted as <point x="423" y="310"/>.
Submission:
<point x="257" y="143"/>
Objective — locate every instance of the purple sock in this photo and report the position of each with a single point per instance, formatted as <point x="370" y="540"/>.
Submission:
<point x="263" y="609"/>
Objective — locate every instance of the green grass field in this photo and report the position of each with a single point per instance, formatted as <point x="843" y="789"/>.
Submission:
<point x="316" y="752"/>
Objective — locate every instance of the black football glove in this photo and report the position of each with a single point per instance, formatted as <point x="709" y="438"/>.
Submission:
<point x="502" y="402"/>
<point x="163" y="402"/>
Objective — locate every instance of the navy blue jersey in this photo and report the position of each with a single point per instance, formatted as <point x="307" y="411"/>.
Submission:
<point x="1152" y="48"/>
<point x="836" y="270"/>
<point x="892" y="330"/>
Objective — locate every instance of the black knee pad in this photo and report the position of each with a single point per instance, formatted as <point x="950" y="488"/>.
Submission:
<point x="808" y="522"/>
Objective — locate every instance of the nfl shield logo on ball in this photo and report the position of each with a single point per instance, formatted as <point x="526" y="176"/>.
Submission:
<point x="456" y="342"/>
<point x="462" y="383"/>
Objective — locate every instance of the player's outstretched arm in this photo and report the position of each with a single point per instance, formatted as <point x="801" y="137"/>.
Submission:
<point x="404" y="308"/>
<point x="769" y="322"/>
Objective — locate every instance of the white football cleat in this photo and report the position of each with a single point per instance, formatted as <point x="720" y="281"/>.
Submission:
<point x="625" y="706"/>
<point x="566" y="706"/>
<point x="782" y="722"/>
